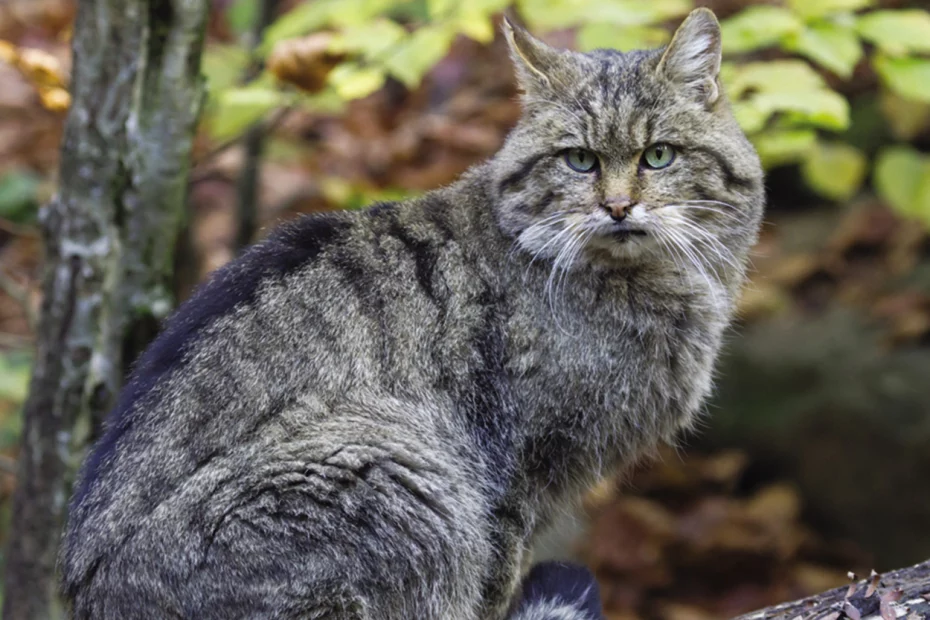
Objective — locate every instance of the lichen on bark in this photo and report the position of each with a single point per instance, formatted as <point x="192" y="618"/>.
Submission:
<point x="109" y="238"/>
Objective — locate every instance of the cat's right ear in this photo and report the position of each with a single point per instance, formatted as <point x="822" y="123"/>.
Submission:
<point x="692" y="59"/>
<point x="537" y="64"/>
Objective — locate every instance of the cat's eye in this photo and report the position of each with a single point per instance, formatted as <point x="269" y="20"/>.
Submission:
<point x="581" y="160"/>
<point x="659" y="156"/>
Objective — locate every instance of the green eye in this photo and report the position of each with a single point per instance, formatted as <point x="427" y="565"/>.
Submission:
<point x="581" y="160"/>
<point x="659" y="156"/>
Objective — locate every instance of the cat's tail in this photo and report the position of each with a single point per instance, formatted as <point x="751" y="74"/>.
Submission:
<point x="559" y="591"/>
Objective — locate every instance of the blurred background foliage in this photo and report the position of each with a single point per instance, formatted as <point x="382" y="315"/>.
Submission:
<point x="815" y="458"/>
<point x="792" y="72"/>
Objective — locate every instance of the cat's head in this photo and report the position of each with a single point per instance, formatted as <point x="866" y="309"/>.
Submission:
<point x="629" y="158"/>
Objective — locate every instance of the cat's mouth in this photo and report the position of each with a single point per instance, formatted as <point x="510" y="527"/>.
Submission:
<point x="623" y="232"/>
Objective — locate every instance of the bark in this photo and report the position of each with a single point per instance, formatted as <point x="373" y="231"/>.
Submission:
<point x="109" y="238"/>
<point x="903" y="593"/>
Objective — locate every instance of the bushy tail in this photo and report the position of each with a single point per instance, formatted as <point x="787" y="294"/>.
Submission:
<point x="559" y="591"/>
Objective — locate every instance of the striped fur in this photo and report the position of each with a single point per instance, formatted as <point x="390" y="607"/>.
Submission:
<point x="371" y="414"/>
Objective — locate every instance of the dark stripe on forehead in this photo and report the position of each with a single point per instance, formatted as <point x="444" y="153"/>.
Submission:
<point x="521" y="173"/>
<point x="731" y="177"/>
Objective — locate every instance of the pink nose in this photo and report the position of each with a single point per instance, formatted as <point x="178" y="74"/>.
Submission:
<point x="618" y="206"/>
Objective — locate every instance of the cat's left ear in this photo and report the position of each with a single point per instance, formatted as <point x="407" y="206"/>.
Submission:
<point x="539" y="67"/>
<point x="692" y="59"/>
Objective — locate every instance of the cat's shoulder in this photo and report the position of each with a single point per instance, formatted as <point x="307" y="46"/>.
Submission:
<point x="289" y="247"/>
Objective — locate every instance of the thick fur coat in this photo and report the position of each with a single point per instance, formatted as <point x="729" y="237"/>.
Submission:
<point x="370" y="414"/>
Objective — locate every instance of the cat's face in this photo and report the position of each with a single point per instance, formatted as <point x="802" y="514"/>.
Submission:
<point x="627" y="158"/>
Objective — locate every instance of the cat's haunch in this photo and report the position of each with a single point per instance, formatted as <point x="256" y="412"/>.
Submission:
<point x="371" y="414"/>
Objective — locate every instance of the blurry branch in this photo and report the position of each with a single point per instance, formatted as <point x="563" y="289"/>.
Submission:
<point x="248" y="184"/>
<point x="903" y="593"/>
<point x="109" y="238"/>
<point x="269" y="124"/>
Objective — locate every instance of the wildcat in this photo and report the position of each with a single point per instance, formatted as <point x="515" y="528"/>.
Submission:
<point x="370" y="414"/>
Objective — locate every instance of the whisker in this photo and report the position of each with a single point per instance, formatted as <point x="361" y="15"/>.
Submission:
<point x="685" y="206"/>
<point x="720" y="250"/>
<point x="694" y="257"/>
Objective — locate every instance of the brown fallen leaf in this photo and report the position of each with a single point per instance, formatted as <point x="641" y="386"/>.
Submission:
<point x="305" y="62"/>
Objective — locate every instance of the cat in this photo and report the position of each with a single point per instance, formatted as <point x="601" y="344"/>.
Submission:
<point x="371" y="414"/>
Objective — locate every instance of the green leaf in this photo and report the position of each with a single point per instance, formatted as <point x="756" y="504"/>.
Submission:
<point x="835" y="170"/>
<point x="811" y="9"/>
<point x="300" y="20"/>
<point x="823" y="108"/>
<point x="897" y="32"/>
<point x="14" y="376"/>
<point x="236" y="109"/>
<point x="477" y="27"/>
<point x="610" y="36"/>
<point x="242" y="14"/>
<point x="19" y="195"/>
<point x="473" y="18"/>
<point x="902" y="176"/>
<point x="308" y="17"/>
<point x="907" y="118"/>
<point x="908" y="77"/>
<point x="830" y="45"/>
<point x="758" y="27"/>
<point x="371" y="39"/>
<point x="779" y="147"/>
<point x="419" y="53"/>
<point x="751" y="118"/>
<point x="552" y="14"/>
<point x="440" y="9"/>
<point x="779" y="76"/>
<point x="354" y="81"/>
<point x="637" y="12"/>
<point x="224" y="66"/>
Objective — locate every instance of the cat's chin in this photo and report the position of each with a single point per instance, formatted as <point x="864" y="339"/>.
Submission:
<point x="621" y="247"/>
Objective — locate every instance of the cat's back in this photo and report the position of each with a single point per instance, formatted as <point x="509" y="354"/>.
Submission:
<point x="327" y="310"/>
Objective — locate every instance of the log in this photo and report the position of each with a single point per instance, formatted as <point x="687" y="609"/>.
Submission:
<point x="903" y="593"/>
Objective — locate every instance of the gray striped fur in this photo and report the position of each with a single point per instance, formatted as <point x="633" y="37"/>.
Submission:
<point x="371" y="414"/>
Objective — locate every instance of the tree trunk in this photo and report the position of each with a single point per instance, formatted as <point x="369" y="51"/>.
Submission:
<point x="109" y="239"/>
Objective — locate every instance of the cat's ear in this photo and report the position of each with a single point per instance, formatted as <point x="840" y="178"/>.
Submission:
<point x="538" y="65"/>
<point x="692" y="59"/>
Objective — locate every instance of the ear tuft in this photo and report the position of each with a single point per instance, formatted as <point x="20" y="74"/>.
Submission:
<point x="536" y="63"/>
<point x="693" y="58"/>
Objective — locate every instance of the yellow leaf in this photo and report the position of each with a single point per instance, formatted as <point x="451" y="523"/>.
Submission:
<point x="352" y="81"/>
<point x="477" y="27"/>
<point x="55" y="99"/>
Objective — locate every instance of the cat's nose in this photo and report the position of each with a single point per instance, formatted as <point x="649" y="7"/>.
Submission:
<point x="618" y="207"/>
